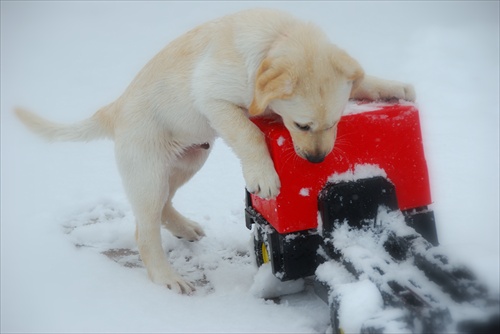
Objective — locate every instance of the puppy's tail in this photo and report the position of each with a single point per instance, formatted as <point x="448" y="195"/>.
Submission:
<point x="96" y="127"/>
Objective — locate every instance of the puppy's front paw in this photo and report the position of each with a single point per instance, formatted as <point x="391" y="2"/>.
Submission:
<point x="379" y="89"/>
<point x="398" y="91"/>
<point x="263" y="182"/>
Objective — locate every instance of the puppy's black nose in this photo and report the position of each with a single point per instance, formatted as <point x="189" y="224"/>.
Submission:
<point x="315" y="158"/>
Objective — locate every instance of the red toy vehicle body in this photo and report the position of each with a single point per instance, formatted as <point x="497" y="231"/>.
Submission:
<point x="382" y="136"/>
<point x="377" y="169"/>
<point x="388" y="136"/>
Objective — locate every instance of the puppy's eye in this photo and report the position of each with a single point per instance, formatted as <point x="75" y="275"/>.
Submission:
<point x="303" y="127"/>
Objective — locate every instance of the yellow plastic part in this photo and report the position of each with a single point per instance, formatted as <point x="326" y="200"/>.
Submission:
<point x="265" y="255"/>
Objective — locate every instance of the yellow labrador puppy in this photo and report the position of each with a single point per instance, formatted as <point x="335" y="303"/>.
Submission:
<point x="207" y="83"/>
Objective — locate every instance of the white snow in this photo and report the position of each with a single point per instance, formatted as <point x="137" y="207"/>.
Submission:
<point x="354" y="107"/>
<point x="363" y="171"/>
<point x="304" y="192"/>
<point x="267" y="285"/>
<point x="281" y="141"/>
<point x="360" y="300"/>
<point x="63" y="204"/>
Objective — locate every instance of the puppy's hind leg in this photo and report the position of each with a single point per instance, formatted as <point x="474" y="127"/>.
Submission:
<point x="189" y="163"/>
<point x="145" y="173"/>
<point x="180" y="226"/>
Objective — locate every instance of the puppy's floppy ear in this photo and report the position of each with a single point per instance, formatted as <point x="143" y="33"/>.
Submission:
<point x="273" y="81"/>
<point x="348" y="66"/>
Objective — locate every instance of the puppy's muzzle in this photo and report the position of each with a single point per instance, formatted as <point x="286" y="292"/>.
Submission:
<point x="315" y="158"/>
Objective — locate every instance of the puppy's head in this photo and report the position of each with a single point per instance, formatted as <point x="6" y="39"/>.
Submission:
<point x="308" y="83"/>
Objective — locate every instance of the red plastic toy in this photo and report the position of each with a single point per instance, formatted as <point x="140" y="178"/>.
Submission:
<point x="388" y="136"/>
<point x="376" y="170"/>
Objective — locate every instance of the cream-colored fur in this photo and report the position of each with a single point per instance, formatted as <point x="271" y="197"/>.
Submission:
<point x="207" y="83"/>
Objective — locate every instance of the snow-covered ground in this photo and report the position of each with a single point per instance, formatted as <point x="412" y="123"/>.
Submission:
<point x="66" y="59"/>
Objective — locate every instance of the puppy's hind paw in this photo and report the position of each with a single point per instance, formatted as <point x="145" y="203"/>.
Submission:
<point x="185" y="229"/>
<point x="181" y="287"/>
<point x="175" y="283"/>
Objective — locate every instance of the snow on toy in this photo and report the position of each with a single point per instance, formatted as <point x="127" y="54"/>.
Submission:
<point x="360" y="222"/>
